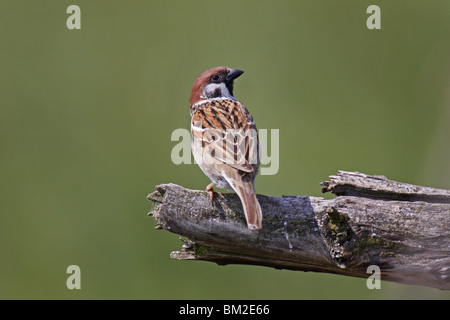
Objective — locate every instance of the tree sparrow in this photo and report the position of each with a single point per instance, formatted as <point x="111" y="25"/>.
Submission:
<point x="224" y="139"/>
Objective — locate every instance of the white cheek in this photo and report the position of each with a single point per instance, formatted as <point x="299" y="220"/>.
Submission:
<point x="211" y="88"/>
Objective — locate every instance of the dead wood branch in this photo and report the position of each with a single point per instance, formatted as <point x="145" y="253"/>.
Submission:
<point x="402" y="228"/>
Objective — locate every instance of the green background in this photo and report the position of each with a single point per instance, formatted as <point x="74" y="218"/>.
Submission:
<point x="86" y="118"/>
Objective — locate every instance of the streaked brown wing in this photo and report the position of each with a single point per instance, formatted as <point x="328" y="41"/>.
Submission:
<point x="226" y="129"/>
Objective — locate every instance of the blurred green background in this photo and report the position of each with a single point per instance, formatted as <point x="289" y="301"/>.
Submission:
<point x="86" y="118"/>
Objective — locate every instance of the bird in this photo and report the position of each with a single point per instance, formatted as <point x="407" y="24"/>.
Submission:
<point x="224" y="139"/>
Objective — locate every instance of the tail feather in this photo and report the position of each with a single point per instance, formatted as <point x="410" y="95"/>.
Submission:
<point x="252" y="209"/>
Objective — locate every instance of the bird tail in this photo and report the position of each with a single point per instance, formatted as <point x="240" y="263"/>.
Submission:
<point x="252" y="209"/>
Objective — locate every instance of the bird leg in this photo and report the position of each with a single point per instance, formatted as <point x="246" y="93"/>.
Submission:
<point x="210" y="190"/>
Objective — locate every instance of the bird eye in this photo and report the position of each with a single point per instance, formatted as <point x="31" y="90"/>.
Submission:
<point x="215" y="78"/>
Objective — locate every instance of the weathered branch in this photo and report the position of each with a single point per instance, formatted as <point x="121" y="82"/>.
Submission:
<point x="402" y="228"/>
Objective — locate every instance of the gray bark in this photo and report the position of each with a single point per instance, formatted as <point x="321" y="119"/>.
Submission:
<point x="402" y="228"/>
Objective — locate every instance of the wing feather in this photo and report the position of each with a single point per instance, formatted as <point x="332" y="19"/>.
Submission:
<point x="228" y="133"/>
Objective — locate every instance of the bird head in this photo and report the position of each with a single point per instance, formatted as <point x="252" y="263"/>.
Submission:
<point x="214" y="83"/>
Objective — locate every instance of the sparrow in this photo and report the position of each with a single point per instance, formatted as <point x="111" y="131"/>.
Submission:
<point x="224" y="140"/>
